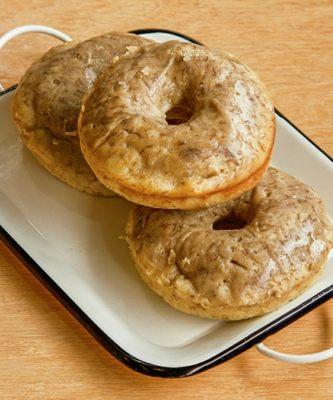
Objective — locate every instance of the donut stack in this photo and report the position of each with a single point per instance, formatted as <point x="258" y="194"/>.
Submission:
<point x="186" y="133"/>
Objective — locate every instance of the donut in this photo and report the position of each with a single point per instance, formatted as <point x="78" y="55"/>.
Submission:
<point x="236" y="260"/>
<point x="178" y="126"/>
<point x="48" y="100"/>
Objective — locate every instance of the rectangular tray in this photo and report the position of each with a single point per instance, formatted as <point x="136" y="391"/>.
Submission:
<point x="71" y="242"/>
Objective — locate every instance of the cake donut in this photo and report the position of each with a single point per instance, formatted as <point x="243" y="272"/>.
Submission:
<point x="48" y="100"/>
<point x="236" y="260"/>
<point x="217" y="147"/>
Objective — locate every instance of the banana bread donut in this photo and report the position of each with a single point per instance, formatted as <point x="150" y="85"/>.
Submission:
<point x="48" y="100"/>
<point x="239" y="259"/>
<point x="221" y="148"/>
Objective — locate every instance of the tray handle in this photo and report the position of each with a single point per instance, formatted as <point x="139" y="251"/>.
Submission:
<point x="32" y="28"/>
<point x="295" y="358"/>
<point x="263" y="349"/>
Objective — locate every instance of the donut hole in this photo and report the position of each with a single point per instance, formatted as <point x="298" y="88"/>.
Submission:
<point x="229" y="222"/>
<point x="179" y="114"/>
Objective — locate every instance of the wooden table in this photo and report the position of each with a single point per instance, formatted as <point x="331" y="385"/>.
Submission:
<point x="44" y="352"/>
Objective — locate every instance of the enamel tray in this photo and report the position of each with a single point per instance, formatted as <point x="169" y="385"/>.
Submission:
<point x="72" y="242"/>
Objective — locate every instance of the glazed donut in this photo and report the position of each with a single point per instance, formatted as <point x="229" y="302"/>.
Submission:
<point x="48" y="100"/>
<point x="221" y="148"/>
<point x="236" y="260"/>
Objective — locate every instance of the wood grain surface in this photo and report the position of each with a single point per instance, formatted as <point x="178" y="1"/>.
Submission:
<point x="44" y="352"/>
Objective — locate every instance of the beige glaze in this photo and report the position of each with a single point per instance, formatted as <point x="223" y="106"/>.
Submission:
<point x="221" y="151"/>
<point x="48" y="100"/>
<point x="288" y="43"/>
<point x="279" y="242"/>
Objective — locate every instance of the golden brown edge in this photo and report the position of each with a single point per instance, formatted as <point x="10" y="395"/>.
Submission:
<point x="95" y="188"/>
<point x="190" y="202"/>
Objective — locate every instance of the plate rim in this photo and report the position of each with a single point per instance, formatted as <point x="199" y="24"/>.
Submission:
<point x="117" y="351"/>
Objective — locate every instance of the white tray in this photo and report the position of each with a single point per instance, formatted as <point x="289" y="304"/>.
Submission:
<point x="70" y="240"/>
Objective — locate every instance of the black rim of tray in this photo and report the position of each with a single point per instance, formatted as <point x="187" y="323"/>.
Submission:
<point x="122" y="355"/>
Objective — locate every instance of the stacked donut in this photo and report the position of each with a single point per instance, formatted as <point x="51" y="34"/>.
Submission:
<point x="186" y="133"/>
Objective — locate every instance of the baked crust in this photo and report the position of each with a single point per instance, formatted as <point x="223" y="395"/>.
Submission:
<point x="220" y="152"/>
<point x="48" y="100"/>
<point x="189" y="202"/>
<point x="280" y="243"/>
